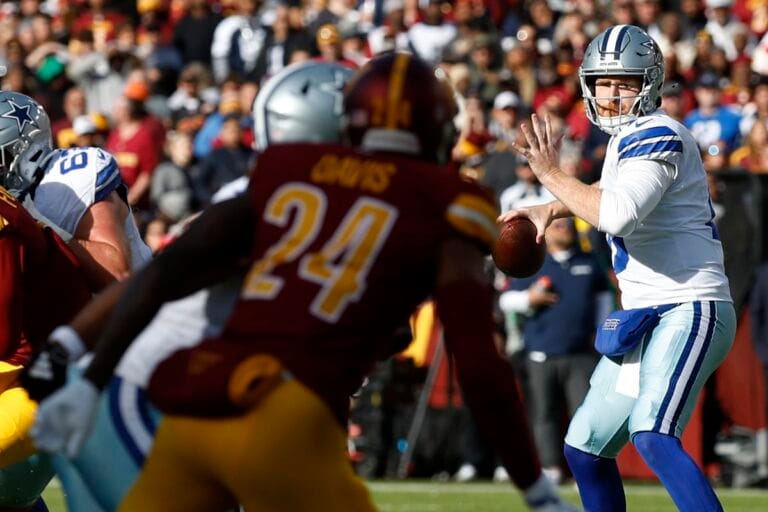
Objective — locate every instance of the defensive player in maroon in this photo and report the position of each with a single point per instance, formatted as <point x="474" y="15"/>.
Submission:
<point x="333" y="248"/>
<point x="41" y="286"/>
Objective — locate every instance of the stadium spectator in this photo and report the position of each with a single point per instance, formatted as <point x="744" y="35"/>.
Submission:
<point x="757" y="108"/>
<point x="519" y="64"/>
<point x="225" y="163"/>
<point x="193" y="33"/>
<point x="500" y="157"/>
<point x="752" y="156"/>
<point x="672" y="101"/>
<point x="136" y="140"/>
<point x="237" y="42"/>
<point x="711" y="123"/>
<point x="723" y="26"/>
<point x="101" y="21"/>
<point x="280" y="45"/>
<point x="171" y="192"/>
<point x="85" y="132"/>
<point x="526" y="191"/>
<point x="328" y="41"/>
<point x="92" y="71"/>
<point x="392" y="34"/>
<point x="74" y="106"/>
<point x="433" y="34"/>
<point x="484" y="66"/>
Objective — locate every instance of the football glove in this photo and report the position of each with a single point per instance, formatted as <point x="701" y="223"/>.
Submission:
<point x="64" y="420"/>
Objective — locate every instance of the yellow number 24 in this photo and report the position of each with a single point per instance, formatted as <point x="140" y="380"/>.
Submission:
<point x="343" y="263"/>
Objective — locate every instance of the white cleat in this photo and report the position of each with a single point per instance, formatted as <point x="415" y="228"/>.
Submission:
<point x="466" y="473"/>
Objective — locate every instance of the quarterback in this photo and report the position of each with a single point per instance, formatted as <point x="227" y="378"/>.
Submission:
<point x="678" y="320"/>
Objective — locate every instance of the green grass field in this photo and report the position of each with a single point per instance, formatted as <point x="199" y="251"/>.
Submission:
<point x="423" y="496"/>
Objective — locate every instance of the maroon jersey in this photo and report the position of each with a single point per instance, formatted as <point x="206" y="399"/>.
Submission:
<point x="41" y="285"/>
<point x="346" y="247"/>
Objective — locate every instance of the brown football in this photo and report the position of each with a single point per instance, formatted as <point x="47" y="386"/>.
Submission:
<point x="516" y="252"/>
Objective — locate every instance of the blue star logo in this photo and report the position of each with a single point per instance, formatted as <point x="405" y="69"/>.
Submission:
<point x="19" y="114"/>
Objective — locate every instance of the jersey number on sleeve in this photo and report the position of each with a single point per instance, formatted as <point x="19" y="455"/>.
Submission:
<point x="340" y="267"/>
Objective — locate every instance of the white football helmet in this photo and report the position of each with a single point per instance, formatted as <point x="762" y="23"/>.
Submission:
<point x="622" y="50"/>
<point x="301" y="103"/>
<point x="25" y="142"/>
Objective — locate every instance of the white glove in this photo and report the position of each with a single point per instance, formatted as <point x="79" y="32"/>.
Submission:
<point x="64" y="419"/>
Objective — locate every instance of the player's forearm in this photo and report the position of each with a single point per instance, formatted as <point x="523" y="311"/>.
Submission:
<point x="90" y="321"/>
<point x="576" y="198"/>
<point x="559" y="210"/>
<point x="134" y="308"/>
<point x="102" y="263"/>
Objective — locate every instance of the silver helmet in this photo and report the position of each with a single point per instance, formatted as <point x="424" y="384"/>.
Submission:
<point x="303" y="102"/>
<point x="25" y="141"/>
<point x="622" y="50"/>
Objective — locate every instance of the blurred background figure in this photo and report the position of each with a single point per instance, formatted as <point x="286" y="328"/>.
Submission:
<point x="711" y="123"/>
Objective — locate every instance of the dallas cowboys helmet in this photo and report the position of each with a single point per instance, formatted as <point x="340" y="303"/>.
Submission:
<point x="25" y="140"/>
<point x="622" y="50"/>
<point x="301" y="103"/>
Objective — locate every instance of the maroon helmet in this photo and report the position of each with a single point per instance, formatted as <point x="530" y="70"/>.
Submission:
<point x="396" y="103"/>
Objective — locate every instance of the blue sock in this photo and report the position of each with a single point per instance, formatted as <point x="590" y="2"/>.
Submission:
<point x="39" y="506"/>
<point x="598" y="479"/>
<point x="685" y="482"/>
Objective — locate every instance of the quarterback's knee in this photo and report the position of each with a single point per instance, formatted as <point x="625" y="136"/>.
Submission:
<point x="654" y="447"/>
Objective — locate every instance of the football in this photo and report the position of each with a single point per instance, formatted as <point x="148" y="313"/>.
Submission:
<point x="516" y="252"/>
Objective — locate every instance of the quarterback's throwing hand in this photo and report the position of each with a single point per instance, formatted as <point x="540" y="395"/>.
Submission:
<point x="64" y="420"/>
<point x="543" y="151"/>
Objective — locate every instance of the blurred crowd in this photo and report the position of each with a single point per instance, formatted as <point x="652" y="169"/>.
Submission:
<point x="167" y="87"/>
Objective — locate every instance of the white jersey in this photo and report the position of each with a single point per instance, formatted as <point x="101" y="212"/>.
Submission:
<point x="673" y="254"/>
<point x="185" y="322"/>
<point x="75" y="180"/>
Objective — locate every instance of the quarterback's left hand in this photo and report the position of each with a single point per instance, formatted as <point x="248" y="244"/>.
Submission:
<point x="543" y="151"/>
<point x="64" y="419"/>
